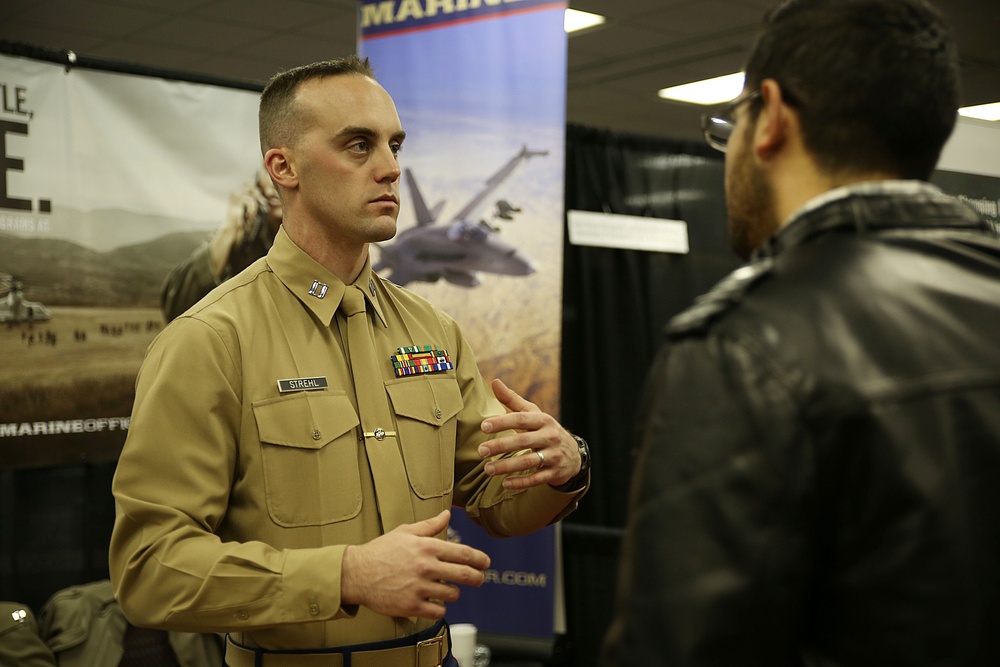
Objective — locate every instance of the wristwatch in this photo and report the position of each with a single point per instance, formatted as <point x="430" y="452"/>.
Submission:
<point x="579" y="478"/>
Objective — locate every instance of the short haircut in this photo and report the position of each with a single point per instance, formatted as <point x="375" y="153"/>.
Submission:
<point x="875" y="82"/>
<point x="277" y="117"/>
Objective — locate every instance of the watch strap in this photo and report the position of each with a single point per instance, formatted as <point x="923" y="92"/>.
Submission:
<point x="578" y="480"/>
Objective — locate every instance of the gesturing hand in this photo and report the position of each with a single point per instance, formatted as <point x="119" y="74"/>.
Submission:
<point x="554" y="453"/>
<point x="407" y="571"/>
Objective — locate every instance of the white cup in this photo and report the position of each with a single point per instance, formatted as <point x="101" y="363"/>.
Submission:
<point x="463" y="643"/>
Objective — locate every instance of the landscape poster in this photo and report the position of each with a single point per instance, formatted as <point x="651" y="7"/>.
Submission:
<point x="109" y="180"/>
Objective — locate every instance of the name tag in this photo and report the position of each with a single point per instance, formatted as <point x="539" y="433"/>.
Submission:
<point x="302" y="384"/>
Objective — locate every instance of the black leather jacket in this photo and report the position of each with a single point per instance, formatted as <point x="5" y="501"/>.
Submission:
<point x="819" y="472"/>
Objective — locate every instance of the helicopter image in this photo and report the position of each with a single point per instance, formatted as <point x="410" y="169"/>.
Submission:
<point x="14" y="308"/>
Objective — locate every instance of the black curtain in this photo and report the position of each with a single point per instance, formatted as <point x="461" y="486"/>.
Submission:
<point x="55" y="527"/>
<point x="615" y="306"/>
<point x="617" y="302"/>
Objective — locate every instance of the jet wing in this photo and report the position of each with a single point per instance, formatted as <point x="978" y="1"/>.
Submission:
<point x="494" y="182"/>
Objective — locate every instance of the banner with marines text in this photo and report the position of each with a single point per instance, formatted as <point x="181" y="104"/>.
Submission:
<point x="480" y="89"/>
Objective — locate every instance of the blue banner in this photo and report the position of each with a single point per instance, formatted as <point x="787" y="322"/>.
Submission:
<point x="517" y="596"/>
<point x="480" y="86"/>
<point x="393" y="16"/>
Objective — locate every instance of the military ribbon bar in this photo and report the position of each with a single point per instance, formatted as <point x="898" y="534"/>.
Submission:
<point x="419" y="359"/>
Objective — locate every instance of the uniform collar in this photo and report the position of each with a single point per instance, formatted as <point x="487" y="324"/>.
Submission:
<point x="317" y="288"/>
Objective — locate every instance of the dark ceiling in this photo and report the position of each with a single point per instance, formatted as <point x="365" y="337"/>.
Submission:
<point x="614" y="71"/>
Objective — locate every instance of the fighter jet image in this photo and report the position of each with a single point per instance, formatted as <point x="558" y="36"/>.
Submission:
<point x="466" y="245"/>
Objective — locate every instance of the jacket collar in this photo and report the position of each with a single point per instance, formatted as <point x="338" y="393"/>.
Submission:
<point x="876" y="205"/>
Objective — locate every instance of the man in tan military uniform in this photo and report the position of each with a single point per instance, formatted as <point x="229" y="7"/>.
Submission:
<point x="255" y="494"/>
<point x="83" y="626"/>
<point x="21" y="644"/>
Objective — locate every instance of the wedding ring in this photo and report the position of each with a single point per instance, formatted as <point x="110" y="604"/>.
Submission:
<point x="541" y="460"/>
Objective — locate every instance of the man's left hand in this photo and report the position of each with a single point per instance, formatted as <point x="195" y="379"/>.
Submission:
<point x="554" y="455"/>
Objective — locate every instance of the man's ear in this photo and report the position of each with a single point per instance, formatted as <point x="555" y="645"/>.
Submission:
<point x="279" y="166"/>
<point x="776" y="122"/>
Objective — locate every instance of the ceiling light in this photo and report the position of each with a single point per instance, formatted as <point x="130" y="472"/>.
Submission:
<point x="982" y="111"/>
<point x="577" y="20"/>
<point x="710" y="91"/>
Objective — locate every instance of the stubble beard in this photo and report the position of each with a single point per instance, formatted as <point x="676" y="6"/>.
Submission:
<point x="750" y="205"/>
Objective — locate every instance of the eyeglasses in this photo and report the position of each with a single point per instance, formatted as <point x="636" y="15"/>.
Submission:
<point x="718" y="126"/>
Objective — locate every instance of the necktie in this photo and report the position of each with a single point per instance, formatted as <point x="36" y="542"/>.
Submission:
<point x="380" y="439"/>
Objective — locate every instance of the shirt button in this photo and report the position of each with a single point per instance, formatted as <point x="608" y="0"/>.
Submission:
<point x="243" y="614"/>
<point x="437" y="413"/>
<point x="314" y="609"/>
<point x="317" y="435"/>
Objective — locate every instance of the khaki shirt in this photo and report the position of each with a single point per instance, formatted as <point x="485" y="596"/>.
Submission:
<point x="235" y="502"/>
<point x="21" y="644"/>
<point x="84" y="626"/>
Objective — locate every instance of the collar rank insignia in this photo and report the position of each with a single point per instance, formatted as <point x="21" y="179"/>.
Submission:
<point x="419" y="359"/>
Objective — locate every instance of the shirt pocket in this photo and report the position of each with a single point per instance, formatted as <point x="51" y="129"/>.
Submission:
<point x="309" y="450"/>
<point x="426" y="408"/>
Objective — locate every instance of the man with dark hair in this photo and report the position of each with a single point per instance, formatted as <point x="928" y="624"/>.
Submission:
<point x="819" y="451"/>
<point x="299" y="435"/>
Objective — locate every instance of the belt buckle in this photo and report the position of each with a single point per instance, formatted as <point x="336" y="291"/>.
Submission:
<point x="431" y="648"/>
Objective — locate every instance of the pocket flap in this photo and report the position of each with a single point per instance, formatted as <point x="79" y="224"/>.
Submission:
<point x="432" y="400"/>
<point x="308" y="420"/>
